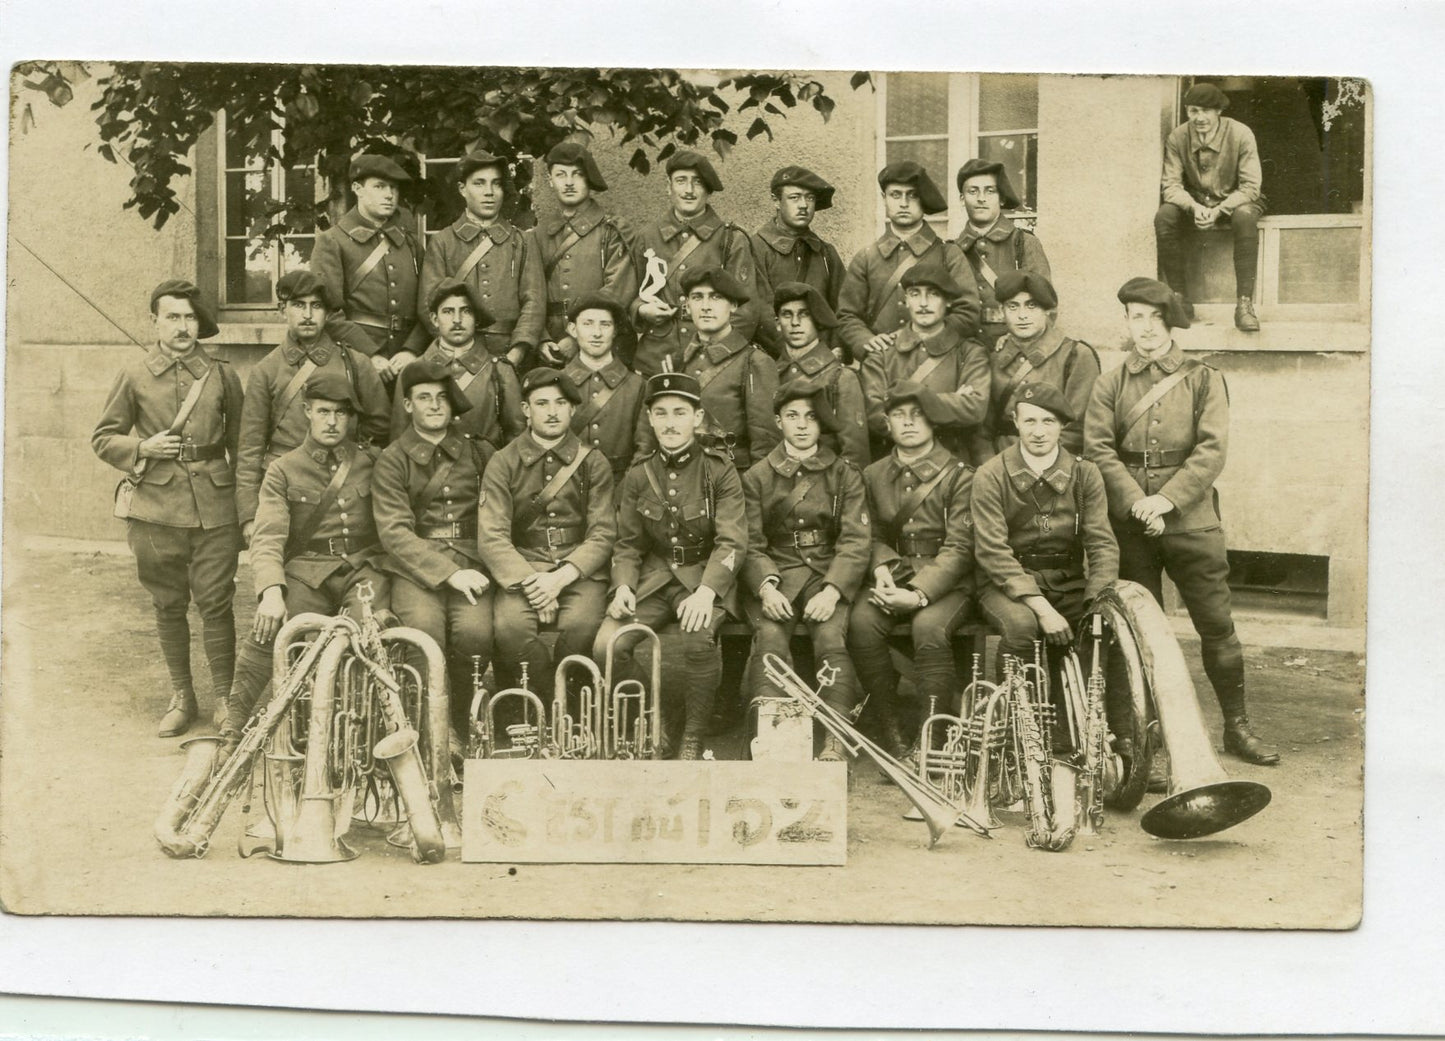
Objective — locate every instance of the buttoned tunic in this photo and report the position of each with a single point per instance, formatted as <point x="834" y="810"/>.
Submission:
<point x="782" y="254"/>
<point x="508" y="281"/>
<point x="943" y="519"/>
<point x="1189" y="426"/>
<point x="1004" y="247"/>
<point x="738" y="381"/>
<point x="720" y="244"/>
<point x="870" y="300"/>
<point x="599" y="261"/>
<point x="268" y="431"/>
<point x="144" y="400"/>
<point x="845" y="395"/>
<point x="618" y="427"/>
<point x="1222" y="170"/>
<point x="489" y="382"/>
<point x="381" y="302"/>
<point x="960" y="377"/>
<point x="1070" y="365"/>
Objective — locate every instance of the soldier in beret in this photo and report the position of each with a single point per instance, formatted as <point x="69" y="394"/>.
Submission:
<point x="922" y="560"/>
<point x="546" y="528"/>
<point x="584" y="249"/>
<point x="870" y="302"/>
<point x="315" y="546"/>
<point x="424" y="494"/>
<point x="787" y="249"/>
<point x="171" y="422"/>
<point x="488" y="381"/>
<point x="1034" y="350"/>
<point x="804" y="317"/>
<point x="612" y="417"/>
<point x="682" y="537"/>
<point x="994" y="245"/>
<point x="1211" y="177"/>
<point x="689" y="237"/>
<point x="369" y="262"/>
<point x="931" y="352"/>
<point x="1040" y="525"/>
<point x="809" y="546"/>
<point x="1157" y="427"/>
<point x="273" y="420"/>
<point x="499" y="263"/>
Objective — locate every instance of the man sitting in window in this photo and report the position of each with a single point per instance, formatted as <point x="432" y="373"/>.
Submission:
<point x="1211" y="178"/>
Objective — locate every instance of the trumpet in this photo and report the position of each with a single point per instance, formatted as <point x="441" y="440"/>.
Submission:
<point x="939" y="814"/>
<point x="634" y="726"/>
<point x="960" y="764"/>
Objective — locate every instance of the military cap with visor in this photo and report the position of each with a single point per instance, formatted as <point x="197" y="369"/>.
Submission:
<point x="1156" y="294"/>
<point x="1012" y="283"/>
<point x="542" y="376"/>
<point x="910" y="173"/>
<point x="574" y="153"/>
<point x="293" y="285"/>
<point x="1007" y="197"/>
<point x="802" y="177"/>
<point x="687" y="159"/>
<point x="600" y="301"/>
<point x="425" y="370"/>
<point x="721" y="280"/>
<point x="373" y="165"/>
<point x="330" y="386"/>
<point x="674" y="384"/>
<point x="178" y="287"/>
<point x="1044" y="396"/>
<point x="805" y="389"/>
<point x="1206" y="95"/>
<point x="928" y="402"/>
<point x="822" y="314"/>
<point x="932" y="274"/>
<point x="451" y="287"/>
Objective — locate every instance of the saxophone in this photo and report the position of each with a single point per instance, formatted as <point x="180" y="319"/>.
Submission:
<point x="1051" y="798"/>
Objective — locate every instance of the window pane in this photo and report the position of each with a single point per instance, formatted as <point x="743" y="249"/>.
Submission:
<point x="237" y="155"/>
<point x="1019" y="154"/>
<point x="296" y="251"/>
<point x="933" y="155"/>
<point x="1319" y="265"/>
<point x="1008" y="102"/>
<point x="917" y="103"/>
<point x="246" y="197"/>
<point x="250" y="271"/>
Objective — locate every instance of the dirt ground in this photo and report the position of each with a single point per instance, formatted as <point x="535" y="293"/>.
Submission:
<point x="82" y="775"/>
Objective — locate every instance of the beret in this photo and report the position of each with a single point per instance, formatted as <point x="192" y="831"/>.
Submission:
<point x="1206" y="95"/>
<point x="301" y="282"/>
<point x="687" y="159"/>
<point x="451" y="287"/>
<point x="909" y="172"/>
<point x="425" y="370"/>
<point x="1045" y="396"/>
<point x="932" y="274"/>
<point x="719" y="278"/>
<point x="474" y="161"/>
<point x="1156" y="294"/>
<point x="804" y="178"/>
<point x="1012" y="283"/>
<point x="904" y="391"/>
<point x="1008" y="198"/>
<point x="675" y="384"/>
<point x="574" y="153"/>
<point x="372" y="165"/>
<point x="330" y="386"/>
<point x="787" y="292"/>
<point x="814" y="392"/>
<point x="599" y="301"/>
<point x="180" y="287"/>
<point x="542" y="376"/>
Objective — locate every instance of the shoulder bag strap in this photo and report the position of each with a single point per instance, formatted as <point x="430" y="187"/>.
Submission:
<point x="915" y="499"/>
<point x="594" y="407"/>
<point x="369" y="264"/>
<point x="292" y="389"/>
<point x="1156" y="392"/>
<point x="549" y="491"/>
<point x="302" y="531"/>
<point x="475" y="256"/>
<point x="434" y="483"/>
<point x="571" y="239"/>
<point x="188" y="405"/>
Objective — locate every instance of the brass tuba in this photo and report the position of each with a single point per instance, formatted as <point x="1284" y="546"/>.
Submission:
<point x="633" y="729"/>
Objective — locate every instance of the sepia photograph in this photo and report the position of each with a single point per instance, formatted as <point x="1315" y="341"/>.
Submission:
<point x="885" y="496"/>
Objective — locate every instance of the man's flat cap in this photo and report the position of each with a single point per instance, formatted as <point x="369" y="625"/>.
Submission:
<point x="600" y="301"/>
<point x="674" y="384"/>
<point x="1156" y="294"/>
<point x="542" y="376"/>
<point x="822" y="314"/>
<point x="804" y="178"/>
<point x="905" y="391"/>
<point x="1043" y="395"/>
<point x="372" y="165"/>
<point x="295" y="284"/>
<point x="932" y="274"/>
<point x="721" y="281"/>
<point x="474" y="161"/>
<point x="1007" y="197"/>
<point x="451" y="287"/>
<point x="326" y="385"/>
<point x="909" y="172"/>
<point x="432" y="371"/>
<point x="574" y="153"/>
<point x="816" y="393"/>
<point x="1012" y="283"/>
<point x="687" y="159"/>
<point x="1206" y="95"/>
<point x="206" y="325"/>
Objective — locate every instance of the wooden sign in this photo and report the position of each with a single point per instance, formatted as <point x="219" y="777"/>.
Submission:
<point x="537" y="811"/>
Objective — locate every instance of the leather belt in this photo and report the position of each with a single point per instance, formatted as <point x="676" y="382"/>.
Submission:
<point x="919" y="545"/>
<point x="341" y="545"/>
<point x="462" y="529"/>
<point x="1155" y="457"/>
<point x="555" y="539"/>
<point x="682" y="556"/>
<point x="1045" y="561"/>
<point x="803" y="538"/>
<point x="395" y="322"/>
<point x="196" y="453"/>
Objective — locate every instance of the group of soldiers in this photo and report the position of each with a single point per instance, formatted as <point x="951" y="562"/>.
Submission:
<point x="707" y="425"/>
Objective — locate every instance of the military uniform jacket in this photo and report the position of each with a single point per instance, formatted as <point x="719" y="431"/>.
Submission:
<point x="599" y="260"/>
<point x="489" y="383"/>
<point x="382" y="301"/>
<point x="1190" y="424"/>
<point x="292" y="487"/>
<point x="871" y="300"/>
<point x="1052" y="358"/>
<point x="738" y="380"/>
<point x="831" y="518"/>
<point x="144" y="400"/>
<point x="700" y="505"/>
<point x="960" y="377"/>
<point x="942" y="518"/>
<point x="845" y="394"/>
<point x="720" y="244"/>
<point x="1062" y="513"/>
<point x="405" y="500"/>
<point x="1004" y="247"/>
<point x="612" y="417"/>
<point x="578" y="525"/>
<point x="508" y="281"/>
<point x="782" y="255"/>
<point x="268" y="431"/>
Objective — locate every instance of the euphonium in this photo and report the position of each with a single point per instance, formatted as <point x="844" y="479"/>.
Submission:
<point x="634" y="726"/>
<point x="581" y="737"/>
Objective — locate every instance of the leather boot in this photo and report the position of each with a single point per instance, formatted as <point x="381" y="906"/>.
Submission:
<point x="221" y="712"/>
<point x="179" y="715"/>
<point x="832" y="750"/>
<point x="230" y="738"/>
<point x="1240" y="742"/>
<point x="1244" y="316"/>
<point x="890" y="734"/>
<point x="1184" y="305"/>
<point x="1159" y="772"/>
<point x="691" y="747"/>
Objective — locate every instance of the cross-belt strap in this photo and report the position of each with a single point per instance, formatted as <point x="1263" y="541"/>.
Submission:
<point x="303" y="529"/>
<point x="433" y="484"/>
<point x="707" y="378"/>
<point x="549" y="491"/>
<point x="895" y="278"/>
<point x="914" y="499"/>
<point x="657" y="491"/>
<point x="465" y="380"/>
<point x="571" y="239"/>
<point x="926" y="368"/>
<point x="593" y="407"/>
<point x="188" y="405"/>
<point x="369" y="264"/>
<point x="1156" y="392"/>
<point x="1021" y="374"/>
<point x="293" y="388"/>
<point x="989" y="275"/>
<point x="688" y="248"/>
<point x="475" y="257"/>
